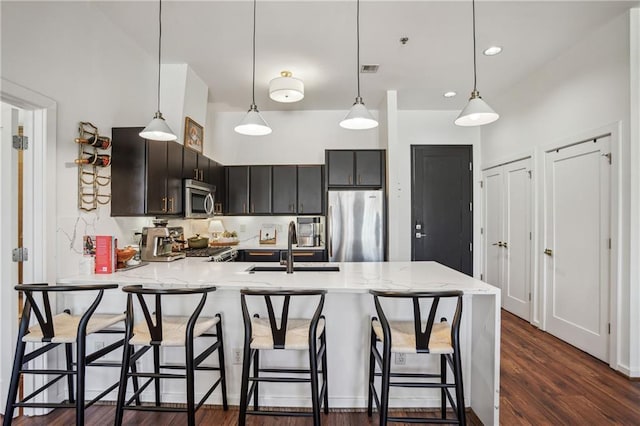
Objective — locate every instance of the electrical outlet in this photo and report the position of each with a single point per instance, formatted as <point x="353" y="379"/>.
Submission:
<point x="237" y="356"/>
<point x="401" y="359"/>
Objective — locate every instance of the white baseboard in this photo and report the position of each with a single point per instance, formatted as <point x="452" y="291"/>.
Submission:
<point x="632" y="374"/>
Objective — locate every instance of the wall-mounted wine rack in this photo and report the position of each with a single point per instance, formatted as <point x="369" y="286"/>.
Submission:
<point x="94" y="174"/>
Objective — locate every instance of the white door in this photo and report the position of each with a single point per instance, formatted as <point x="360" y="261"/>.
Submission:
<point x="516" y="281"/>
<point x="493" y="209"/>
<point x="577" y="245"/>
<point x="507" y="233"/>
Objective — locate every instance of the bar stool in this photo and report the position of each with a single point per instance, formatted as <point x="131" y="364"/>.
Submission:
<point x="61" y="329"/>
<point x="292" y="334"/>
<point x="158" y="331"/>
<point x="416" y="337"/>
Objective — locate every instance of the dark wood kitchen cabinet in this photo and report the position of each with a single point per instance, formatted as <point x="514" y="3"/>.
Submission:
<point x="310" y="190"/>
<point x="237" y="194"/>
<point x="146" y="176"/>
<point x="355" y="168"/>
<point x="195" y="166"/>
<point x="284" y="189"/>
<point x="260" y="189"/>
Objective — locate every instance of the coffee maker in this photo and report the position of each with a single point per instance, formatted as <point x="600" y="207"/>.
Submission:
<point x="157" y="242"/>
<point x="308" y="231"/>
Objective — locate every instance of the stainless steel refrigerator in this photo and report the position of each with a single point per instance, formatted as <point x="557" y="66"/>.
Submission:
<point x="355" y="226"/>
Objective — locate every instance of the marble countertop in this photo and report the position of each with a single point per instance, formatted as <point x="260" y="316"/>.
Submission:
<point x="352" y="277"/>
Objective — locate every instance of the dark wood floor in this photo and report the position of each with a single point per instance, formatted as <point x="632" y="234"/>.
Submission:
<point x="544" y="381"/>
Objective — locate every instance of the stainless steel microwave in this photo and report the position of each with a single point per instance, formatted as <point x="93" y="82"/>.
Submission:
<point x="199" y="198"/>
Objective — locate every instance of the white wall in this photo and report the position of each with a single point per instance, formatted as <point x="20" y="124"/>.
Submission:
<point x="578" y="94"/>
<point x="424" y="128"/>
<point x="183" y="94"/>
<point x="298" y="137"/>
<point x="71" y="53"/>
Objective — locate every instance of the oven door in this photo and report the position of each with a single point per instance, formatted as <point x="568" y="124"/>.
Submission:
<point x="198" y="203"/>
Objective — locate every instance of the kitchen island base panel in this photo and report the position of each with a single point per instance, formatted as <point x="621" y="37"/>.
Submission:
<point x="350" y="308"/>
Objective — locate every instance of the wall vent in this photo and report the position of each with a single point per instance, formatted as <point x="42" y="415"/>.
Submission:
<point x="370" y="68"/>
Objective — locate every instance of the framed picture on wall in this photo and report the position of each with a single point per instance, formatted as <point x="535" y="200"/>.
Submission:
<point x="193" y="135"/>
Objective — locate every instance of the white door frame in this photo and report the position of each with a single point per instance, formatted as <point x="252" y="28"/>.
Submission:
<point x="39" y="213"/>
<point x="615" y="298"/>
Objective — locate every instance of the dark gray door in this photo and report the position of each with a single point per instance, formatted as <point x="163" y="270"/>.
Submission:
<point x="441" y="201"/>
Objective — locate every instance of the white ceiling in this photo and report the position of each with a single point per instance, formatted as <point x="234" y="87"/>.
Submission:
<point x="316" y="40"/>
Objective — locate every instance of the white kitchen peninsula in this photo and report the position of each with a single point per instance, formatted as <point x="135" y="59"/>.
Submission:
<point x="348" y="307"/>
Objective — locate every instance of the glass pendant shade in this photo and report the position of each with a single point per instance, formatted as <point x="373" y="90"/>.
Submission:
<point x="476" y="113"/>
<point x="286" y="88"/>
<point x="253" y="124"/>
<point x="359" y="117"/>
<point x="158" y="130"/>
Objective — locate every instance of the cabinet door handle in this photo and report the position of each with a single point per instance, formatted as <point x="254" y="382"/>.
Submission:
<point x="303" y="253"/>
<point x="253" y="208"/>
<point x="350" y="180"/>
<point x="261" y="253"/>
<point x="201" y="175"/>
<point x="195" y="174"/>
<point x="244" y="207"/>
<point x="301" y="208"/>
<point x="359" y="180"/>
<point x="164" y="204"/>
<point x="171" y="204"/>
<point x="548" y="252"/>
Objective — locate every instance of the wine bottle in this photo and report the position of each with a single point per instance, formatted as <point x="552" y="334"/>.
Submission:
<point x="101" y="160"/>
<point x="101" y="142"/>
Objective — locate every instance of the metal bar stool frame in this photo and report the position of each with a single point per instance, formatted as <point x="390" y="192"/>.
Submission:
<point x="192" y="362"/>
<point x="422" y="337"/>
<point x="45" y="322"/>
<point x="316" y="354"/>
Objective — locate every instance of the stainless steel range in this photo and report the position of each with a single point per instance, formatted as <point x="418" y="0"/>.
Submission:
<point x="215" y="254"/>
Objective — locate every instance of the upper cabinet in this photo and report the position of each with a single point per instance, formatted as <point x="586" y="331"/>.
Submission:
<point x="282" y="190"/>
<point x="260" y="189"/>
<point x="195" y="166"/>
<point x="310" y="190"/>
<point x="237" y="193"/>
<point x="355" y="168"/>
<point x="146" y="176"/>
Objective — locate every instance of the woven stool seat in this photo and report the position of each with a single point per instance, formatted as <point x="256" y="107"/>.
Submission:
<point x="65" y="327"/>
<point x="174" y="331"/>
<point x="403" y="337"/>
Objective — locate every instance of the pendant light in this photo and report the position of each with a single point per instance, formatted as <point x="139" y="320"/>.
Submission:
<point x="253" y="124"/>
<point x="477" y="112"/>
<point x="158" y="129"/>
<point x="358" y="117"/>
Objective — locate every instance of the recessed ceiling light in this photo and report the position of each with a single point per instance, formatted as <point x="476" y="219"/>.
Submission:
<point x="449" y="94"/>
<point x="493" y="50"/>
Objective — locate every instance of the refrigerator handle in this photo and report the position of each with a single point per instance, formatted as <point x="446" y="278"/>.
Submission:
<point x="330" y="233"/>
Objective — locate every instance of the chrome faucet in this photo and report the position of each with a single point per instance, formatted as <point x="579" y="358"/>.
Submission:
<point x="291" y="240"/>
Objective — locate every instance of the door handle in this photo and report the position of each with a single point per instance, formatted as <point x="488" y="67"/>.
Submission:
<point x="202" y="175"/>
<point x="420" y="235"/>
<point x="195" y="174"/>
<point x="164" y="204"/>
<point x="548" y="252"/>
<point x="171" y="204"/>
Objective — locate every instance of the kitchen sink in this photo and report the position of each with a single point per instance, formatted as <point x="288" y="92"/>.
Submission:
<point x="299" y="268"/>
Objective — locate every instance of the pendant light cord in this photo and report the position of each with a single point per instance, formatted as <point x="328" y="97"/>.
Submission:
<point x="159" y="49"/>
<point x="473" y="8"/>
<point x="253" y="77"/>
<point x="358" y="42"/>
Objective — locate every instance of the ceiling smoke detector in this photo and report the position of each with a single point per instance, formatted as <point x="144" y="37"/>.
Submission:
<point x="371" y="68"/>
